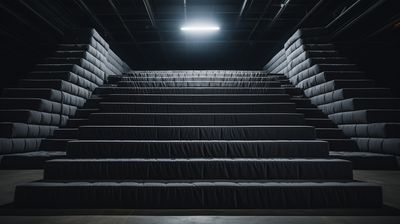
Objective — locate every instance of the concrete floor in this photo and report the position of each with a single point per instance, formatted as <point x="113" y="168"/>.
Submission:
<point x="390" y="180"/>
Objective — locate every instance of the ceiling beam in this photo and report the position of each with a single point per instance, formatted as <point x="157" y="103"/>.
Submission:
<point x="94" y="18"/>
<point x="59" y="31"/>
<point x="111" y="2"/>
<point x="265" y="10"/>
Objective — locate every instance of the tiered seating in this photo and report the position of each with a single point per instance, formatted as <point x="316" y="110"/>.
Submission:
<point x="54" y="91"/>
<point x="341" y="91"/>
<point x="207" y="146"/>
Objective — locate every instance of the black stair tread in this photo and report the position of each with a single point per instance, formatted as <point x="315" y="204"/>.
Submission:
<point x="29" y="160"/>
<point x="366" y="116"/>
<point x="186" y="195"/>
<point x="196" y="148"/>
<point x="198" y="168"/>
<point x="285" y="107"/>
<point x="119" y="132"/>
<point x="368" y="160"/>
<point x="204" y="119"/>
<point x="196" y="98"/>
<point x="188" y="90"/>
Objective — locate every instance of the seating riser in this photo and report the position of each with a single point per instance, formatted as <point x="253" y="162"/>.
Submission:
<point x="197" y="133"/>
<point x="196" y="149"/>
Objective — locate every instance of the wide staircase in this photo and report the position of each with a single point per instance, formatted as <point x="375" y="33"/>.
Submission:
<point x="195" y="139"/>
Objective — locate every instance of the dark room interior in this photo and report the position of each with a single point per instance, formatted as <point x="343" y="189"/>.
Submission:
<point x="199" y="111"/>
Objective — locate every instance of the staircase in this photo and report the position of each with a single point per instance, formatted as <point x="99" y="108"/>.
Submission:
<point x="195" y="139"/>
<point x="366" y="113"/>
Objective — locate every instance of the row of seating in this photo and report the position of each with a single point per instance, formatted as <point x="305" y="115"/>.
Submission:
<point x="54" y="91"/>
<point x="351" y="100"/>
<point x="201" y="147"/>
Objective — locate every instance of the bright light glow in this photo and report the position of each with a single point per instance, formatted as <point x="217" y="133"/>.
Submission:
<point x="199" y="28"/>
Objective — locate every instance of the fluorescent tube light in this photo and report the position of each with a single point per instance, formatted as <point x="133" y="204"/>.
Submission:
<point x="200" y="28"/>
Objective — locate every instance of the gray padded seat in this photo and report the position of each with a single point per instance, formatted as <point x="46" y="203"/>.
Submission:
<point x="374" y="130"/>
<point x="345" y="93"/>
<point x="366" y="116"/>
<point x="187" y="119"/>
<point x="196" y="149"/>
<point x="56" y="84"/>
<point x="360" y="104"/>
<point x="32" y="117"/>
<point x="86" y="82"/>
<point x="38" y="105"/>
<point x="49" y="94"/>
<point x="84" y="69"/>
<point x="14" y="145"/>
<point x="338" y="84"/>
<point x="323" y="77"/>
<point x="197" y="132"/>
<point x="379" y="145"/>
<point x="22" y="130"/>
<point x="298" y="76"/>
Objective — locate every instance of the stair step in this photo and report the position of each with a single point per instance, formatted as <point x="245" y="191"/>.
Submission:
<point x="53" y="144"/>
<point x="199" y="119"/>
<point x="200" y="194"/>
<point x="197" y="169"/>
<point x="311" y="112"/>
<point x="197" y="132"/>
<point x="85" y="112"/>
<point x="197" y="107"/>
<point x="329" y="133"/>
<point x="190" y="90"/>
<point x="115" y="79"/>
<point x="302" y="102"/>
<point x="368" y="160"/>
<point x="342" y="145"/>
<point x="196" y="149"/>
<point x="320" y="122"/>
<point x="65" y="133"/>
<point x="198" y="84"/>
<point x="76" y="122"/>
<point x="197" y="98"/>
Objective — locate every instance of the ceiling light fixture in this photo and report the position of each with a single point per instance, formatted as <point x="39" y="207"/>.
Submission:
<point x="200" y="28"/>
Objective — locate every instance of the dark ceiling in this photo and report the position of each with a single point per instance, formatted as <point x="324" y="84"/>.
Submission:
<point x="146" y="33"/>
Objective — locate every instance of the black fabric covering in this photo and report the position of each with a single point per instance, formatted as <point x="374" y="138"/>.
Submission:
<point x="192" y="90"/>
<point x="197" y="84"/>
<point x="197" y="132"/>
<point x="14" y="145"/>
<point x="368" y="160"/>
<point x="29" y="160"/>
<point x="376" y="130"/>
<point x="32" y="117"/>
<point x="366" y="116"/>
<point x="345" y="93"/>
<point x="22" y="130"/>
<point x="37" y="104"/>
<point x="114" y="79"/>
<point x="312" y="194"/>
<point x="204" y="169"/>
<point x="199" y="107"/>
<point x="197" y="98"/>
<point x="49" y="94"/>
<point x="359" y="104"/>
<point x="206" y="119"/>
<point x="196" y="149"/>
